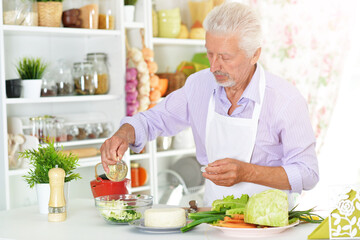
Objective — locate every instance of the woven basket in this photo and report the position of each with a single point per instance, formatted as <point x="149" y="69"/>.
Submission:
<point x="50" y="14"/>
<point x="176" y="81"/>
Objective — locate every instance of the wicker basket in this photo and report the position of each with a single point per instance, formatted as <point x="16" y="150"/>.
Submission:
<point x="50" y="14"/>
<point x="176" y="81"/>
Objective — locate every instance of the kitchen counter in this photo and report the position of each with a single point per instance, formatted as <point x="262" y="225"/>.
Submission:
<point x="84" y="222"/>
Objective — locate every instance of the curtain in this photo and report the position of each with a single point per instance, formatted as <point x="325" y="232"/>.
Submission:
<point x="306" y="42"/>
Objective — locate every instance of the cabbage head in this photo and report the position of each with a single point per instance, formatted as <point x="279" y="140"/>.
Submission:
<point x="269" y="208"/>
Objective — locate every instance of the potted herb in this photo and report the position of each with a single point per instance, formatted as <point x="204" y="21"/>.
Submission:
<point x="129" y="10"/>
<point x="50" y="12"/>
<point x="31" y="71"/>
<point x="46" y="157"/>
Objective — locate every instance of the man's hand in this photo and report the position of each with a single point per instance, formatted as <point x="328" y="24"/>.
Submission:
<point x="227" y="172"/>
<point x="113" y="149"/>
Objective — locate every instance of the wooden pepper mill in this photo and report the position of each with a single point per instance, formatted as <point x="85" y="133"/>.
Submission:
<point x="57" y="208"/>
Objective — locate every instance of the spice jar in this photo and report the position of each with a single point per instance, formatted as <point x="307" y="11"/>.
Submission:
<point x="64" y="81"/>
<point x="101" y="72"/>
<point x="135" y="174"/>
<point x="61" y="134"/>
<point x="107" y="14"/>
<point x="20" y="12"/>
<point x="72" y="132"/>
<point x="83" y="75"/>
<point x="82" y="134"/>
<point x="89" y="14"/>
<point x="107" y="130"/>
<point x="37" y="128"/>
<point x="49" y="128"/>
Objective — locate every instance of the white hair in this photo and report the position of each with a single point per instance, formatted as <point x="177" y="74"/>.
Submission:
<point x="236" y="18"/>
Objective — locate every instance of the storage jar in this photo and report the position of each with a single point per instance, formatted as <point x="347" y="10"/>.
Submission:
<point x="89" y="14"/>
<point x="101" y="72"/>
<point x="20" y="12"/>
<point x="83" y="75"/>
<point x="107" y="14"/>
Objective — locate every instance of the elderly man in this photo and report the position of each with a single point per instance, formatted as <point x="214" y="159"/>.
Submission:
<point x="251" y="128"/>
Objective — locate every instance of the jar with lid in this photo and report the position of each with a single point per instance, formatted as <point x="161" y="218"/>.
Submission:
<point x="107" y="14"/>
<point x="135" y="181"/>
<point x="72" y="132"/>
<point x="64" y="81"/>
<point x="101" y="74"/>
<point x="82" y="133"/>
<point x="107" y="130"/>
<point x="20" y="12"/>
<point x="48" y="86"/>
<point x="61" y="134"/>
<point x="89" y="14"/>
<point x="83" y="75"/>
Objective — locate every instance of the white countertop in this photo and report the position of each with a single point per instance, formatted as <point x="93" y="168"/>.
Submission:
<point x="84" y="222"/>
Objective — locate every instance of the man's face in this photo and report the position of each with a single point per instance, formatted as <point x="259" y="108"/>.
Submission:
<point x="228" y="62"/>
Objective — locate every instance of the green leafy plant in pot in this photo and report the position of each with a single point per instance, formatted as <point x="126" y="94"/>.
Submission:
<point x="129" y="10"/>
<point x="46" y="157"/>
<point x="31" y="71"/>
<point x="50" y="12"/>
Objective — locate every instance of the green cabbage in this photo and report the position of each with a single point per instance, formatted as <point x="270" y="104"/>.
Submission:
<point x="230" y="202"/>
<point x="269" y="208"/>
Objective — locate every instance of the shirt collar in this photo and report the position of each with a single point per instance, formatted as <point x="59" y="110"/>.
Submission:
<point x="251" y="92"/>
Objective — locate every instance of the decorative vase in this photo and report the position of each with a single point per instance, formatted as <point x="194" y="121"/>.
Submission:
<point x="50" y="14"/>
<point x="43" y="196"/>
<point x="129" y="13"/>
<point x="13" y="88"/>
<point x="31" y="88"/>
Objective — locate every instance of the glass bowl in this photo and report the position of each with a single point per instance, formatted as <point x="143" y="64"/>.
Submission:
<point x="123" y="208"/>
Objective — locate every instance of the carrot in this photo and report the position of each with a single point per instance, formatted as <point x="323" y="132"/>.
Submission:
<point x="237" y="225"/>
<point x="235" y="221"/>
<point x="237" y="216"/>
<point x="226" y="218"/>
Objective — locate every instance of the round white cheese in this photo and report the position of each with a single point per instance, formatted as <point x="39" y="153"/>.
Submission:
<point x="165" y="217"/>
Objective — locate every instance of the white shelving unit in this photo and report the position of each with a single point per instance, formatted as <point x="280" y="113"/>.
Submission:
<point x="72" y="45"/>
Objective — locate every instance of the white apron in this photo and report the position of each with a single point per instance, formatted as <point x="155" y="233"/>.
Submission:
<point x="229" y="137"/>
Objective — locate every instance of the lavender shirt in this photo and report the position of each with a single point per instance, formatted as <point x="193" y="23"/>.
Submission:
<point x="285" y="136"/>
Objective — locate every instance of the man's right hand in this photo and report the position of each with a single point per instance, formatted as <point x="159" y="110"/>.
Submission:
<point x="113" y="149"/>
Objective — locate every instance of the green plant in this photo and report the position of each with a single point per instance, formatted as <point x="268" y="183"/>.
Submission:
<point x="49" y="0"/>
<point x="45" y="158"/>
<point x="130" y="2"/>
<point x="31" y="68"/>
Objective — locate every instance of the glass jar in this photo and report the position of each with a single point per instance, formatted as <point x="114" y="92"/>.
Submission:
<point x="107" y="14"/>
<point x="90" y="14"/>
<point x="20" y="12"/>
<point x="101" y="74"/>
<point x="135" y="181"/>
<point x="48" y="86"/>
<point x="49" y="128"/>
<point x="71" y="14"/>
<point x="107" y="130"/>
<point x="64" y="81"/>
<point x="83" y="75"/>
<point x="82" y="134"/>
<point x="61" y="133"/>
<point x="72" y="132"/>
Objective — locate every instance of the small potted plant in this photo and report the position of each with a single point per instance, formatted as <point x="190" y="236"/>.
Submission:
<point x="50" y="12"/>
<point x="31" y="71"/>
<point x="129" y="10"/>
<point x="46" y="157"/>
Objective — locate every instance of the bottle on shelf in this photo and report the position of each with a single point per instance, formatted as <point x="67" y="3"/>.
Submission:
<point x="83" y="75"/>
<point x="135" y="174"/>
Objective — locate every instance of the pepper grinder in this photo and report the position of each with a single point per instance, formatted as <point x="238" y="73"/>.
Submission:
<point x="57" y="209"/>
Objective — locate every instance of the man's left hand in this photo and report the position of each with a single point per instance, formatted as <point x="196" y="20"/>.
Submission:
<point x="227" y="172"/>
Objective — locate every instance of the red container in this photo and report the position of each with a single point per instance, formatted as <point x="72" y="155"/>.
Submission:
<point x="101" y="186"/>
